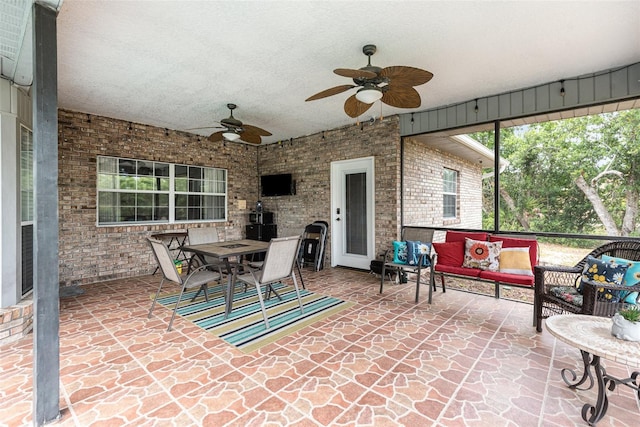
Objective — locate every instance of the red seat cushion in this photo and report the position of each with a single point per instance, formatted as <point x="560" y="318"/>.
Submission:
<point x="516" y="279"/>
<point x="459" y="236"/>
<point x="451" y="253"/>
<point x="471" y="272"/>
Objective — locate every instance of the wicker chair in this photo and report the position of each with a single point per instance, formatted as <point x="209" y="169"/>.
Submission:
<point x="548" y="277"/>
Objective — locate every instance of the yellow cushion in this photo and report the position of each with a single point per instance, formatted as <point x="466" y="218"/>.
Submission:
<point x="515" y="261"/>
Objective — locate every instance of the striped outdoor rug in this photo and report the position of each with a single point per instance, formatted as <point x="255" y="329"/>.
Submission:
<point x="244" y="328"/>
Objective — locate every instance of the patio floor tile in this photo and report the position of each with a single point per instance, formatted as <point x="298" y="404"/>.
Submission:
<point x="465" y="360"/>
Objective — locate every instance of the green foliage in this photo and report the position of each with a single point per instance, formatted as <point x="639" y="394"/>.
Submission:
<point x="632" y="314"/>
<point x="546" y="159"/>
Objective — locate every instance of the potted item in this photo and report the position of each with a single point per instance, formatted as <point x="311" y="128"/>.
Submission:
<point x="178" y="264"/>
<point x="626" y="324"/>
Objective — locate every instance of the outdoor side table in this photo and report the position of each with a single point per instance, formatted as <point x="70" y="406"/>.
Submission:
<point x="592" y="336"/>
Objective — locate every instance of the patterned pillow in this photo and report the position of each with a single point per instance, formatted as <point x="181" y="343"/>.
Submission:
<point x="515" y="261"/>
<point x="631" y="277"/>
<point x="399" y="252"/>
<point x="482" y="255"/>
<point x="597" y="272"/>
<point x="568" y="293"/>
<point x="414" y="249"/>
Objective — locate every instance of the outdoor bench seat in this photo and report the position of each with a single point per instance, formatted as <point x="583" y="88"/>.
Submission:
<point x="449" y="257"/>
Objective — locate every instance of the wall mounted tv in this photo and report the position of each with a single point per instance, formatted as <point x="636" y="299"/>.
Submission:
<point x="277" y="185"/>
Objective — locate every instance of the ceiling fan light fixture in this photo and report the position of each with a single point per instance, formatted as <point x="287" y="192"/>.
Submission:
<point x="369" y="94"/>
<point x="231" y="136"/>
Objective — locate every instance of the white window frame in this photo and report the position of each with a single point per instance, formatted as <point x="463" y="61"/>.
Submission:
<point x="448" y="192"/>
<point x="26" y="176"/>
<point x="207" y="188"/>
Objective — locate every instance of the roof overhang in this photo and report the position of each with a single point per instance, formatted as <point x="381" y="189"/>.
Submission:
<point x="461" y="146"/>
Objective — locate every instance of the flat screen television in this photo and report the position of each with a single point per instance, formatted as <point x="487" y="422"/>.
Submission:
<point x="277" y="185"/>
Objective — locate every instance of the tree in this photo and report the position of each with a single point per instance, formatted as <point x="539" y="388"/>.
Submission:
<point x="575" y="175"/>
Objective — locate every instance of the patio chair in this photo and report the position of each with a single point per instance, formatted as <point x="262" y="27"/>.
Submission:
<point x="556" y="286"/>
<point x="203" y="235"/>
<point x="278" y="265"/>
<point x="413" y="234"/>
<point x="198" y="278"/>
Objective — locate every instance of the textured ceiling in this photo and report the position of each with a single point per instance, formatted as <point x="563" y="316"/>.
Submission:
<point x="176" y="64"/>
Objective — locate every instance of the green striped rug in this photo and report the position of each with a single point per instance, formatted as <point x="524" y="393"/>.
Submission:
<point x="244" y="328"/>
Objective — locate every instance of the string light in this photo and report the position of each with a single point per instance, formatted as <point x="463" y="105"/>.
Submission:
<point x="561" y="87"/>
<point x="475" y="109"/>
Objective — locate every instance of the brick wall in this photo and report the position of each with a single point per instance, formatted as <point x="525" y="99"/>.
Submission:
<point x="309" y="159"/>
<point x="16" y="321"/>
<point x="423" y="187"/>
<point x="89" y="253"/>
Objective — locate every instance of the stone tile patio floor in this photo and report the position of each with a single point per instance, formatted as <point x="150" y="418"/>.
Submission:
<point x="465" y="360"/>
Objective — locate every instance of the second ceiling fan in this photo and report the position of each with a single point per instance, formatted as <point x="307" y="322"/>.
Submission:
<point x="235" y="130"/>
<point x="392" y="85"/>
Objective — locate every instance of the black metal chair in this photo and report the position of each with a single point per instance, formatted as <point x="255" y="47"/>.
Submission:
<point x="424" y="235"/>
<point x="547" y="303"/>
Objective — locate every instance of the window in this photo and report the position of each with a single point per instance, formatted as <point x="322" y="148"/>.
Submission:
<point x="26" y="174"/>
<point x="141" y="191"/>
<point x="449" y="193"/>
<point x="200" y="193"/>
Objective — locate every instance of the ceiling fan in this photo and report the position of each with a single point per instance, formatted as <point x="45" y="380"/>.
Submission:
<point x="235" y="130"/>
<point x="392" y="85"/>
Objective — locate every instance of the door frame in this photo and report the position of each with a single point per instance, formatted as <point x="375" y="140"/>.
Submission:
<point x="338" y="170"/>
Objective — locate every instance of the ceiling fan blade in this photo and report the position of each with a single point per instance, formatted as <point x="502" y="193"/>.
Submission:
<point x="401" y="96"/>
<point x="216" y="137"/>
<point x="406" y="76"/>
<point x="355" y="108"/>
<point x="355" y="74"/>
<point x="251" y="138"/>
<point x="256" y="130"/>
<point x="329" y="92"/>
<point x="206" y="127"/>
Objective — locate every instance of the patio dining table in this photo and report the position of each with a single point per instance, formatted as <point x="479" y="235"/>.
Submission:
<point x="224" y="251"/>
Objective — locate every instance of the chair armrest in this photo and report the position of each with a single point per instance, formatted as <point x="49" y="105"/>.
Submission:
<point x="385" y="255"/>
<point x="548" y="276"/>
<point x="603" y="307"/>
<point x="204" y="267"/>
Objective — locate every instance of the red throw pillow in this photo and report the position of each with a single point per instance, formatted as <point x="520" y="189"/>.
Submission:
<point x="459" y="236"/>
<point x="450" y="253"/>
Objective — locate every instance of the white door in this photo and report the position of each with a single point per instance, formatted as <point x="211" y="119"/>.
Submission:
<point x="352" y="213"/>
